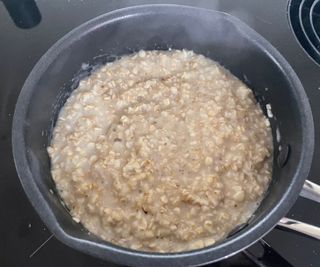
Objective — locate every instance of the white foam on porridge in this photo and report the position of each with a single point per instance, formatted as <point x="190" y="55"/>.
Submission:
<point x="278" y="135"/>
<point x="269" y="111"/>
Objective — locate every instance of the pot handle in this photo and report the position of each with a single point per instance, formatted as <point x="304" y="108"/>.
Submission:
<point x="310" y="191"/>
<point x="300" y="227"/>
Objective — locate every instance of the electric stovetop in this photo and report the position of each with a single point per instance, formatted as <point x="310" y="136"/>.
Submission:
<point x="28" y="28"/>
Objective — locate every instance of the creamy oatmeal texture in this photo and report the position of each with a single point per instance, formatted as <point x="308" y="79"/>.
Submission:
<point x="161" y="151"/>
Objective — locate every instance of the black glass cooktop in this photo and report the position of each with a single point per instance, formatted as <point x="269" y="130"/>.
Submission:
<point x="28" y="28"/>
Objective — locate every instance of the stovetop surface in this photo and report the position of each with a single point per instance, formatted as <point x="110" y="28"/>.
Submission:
<point x="25" y="241"/>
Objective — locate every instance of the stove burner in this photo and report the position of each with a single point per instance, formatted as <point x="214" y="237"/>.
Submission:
<point x="315" y="19"/>
<point x="304" y="17"/>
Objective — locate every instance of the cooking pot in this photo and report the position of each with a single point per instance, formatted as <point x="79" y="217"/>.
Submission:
<point x="216" y="35"/>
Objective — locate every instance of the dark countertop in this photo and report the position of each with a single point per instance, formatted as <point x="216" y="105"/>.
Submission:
<point x="22" y="232"/>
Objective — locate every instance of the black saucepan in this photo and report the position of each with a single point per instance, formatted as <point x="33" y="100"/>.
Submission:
<point x="216" y="35"/>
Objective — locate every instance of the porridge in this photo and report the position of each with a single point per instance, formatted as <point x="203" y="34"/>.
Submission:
<point x="161" y="151"/>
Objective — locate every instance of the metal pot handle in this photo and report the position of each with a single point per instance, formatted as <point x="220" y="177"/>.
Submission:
<point x="310" y="191"/>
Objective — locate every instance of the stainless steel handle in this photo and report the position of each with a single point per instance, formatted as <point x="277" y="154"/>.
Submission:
<point x="310" y="191"/>
<point x="303" y="228"/>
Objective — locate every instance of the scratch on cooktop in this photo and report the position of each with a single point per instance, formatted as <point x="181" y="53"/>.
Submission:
<point x="263" y="20"/>
<point x="41" y="246"/>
